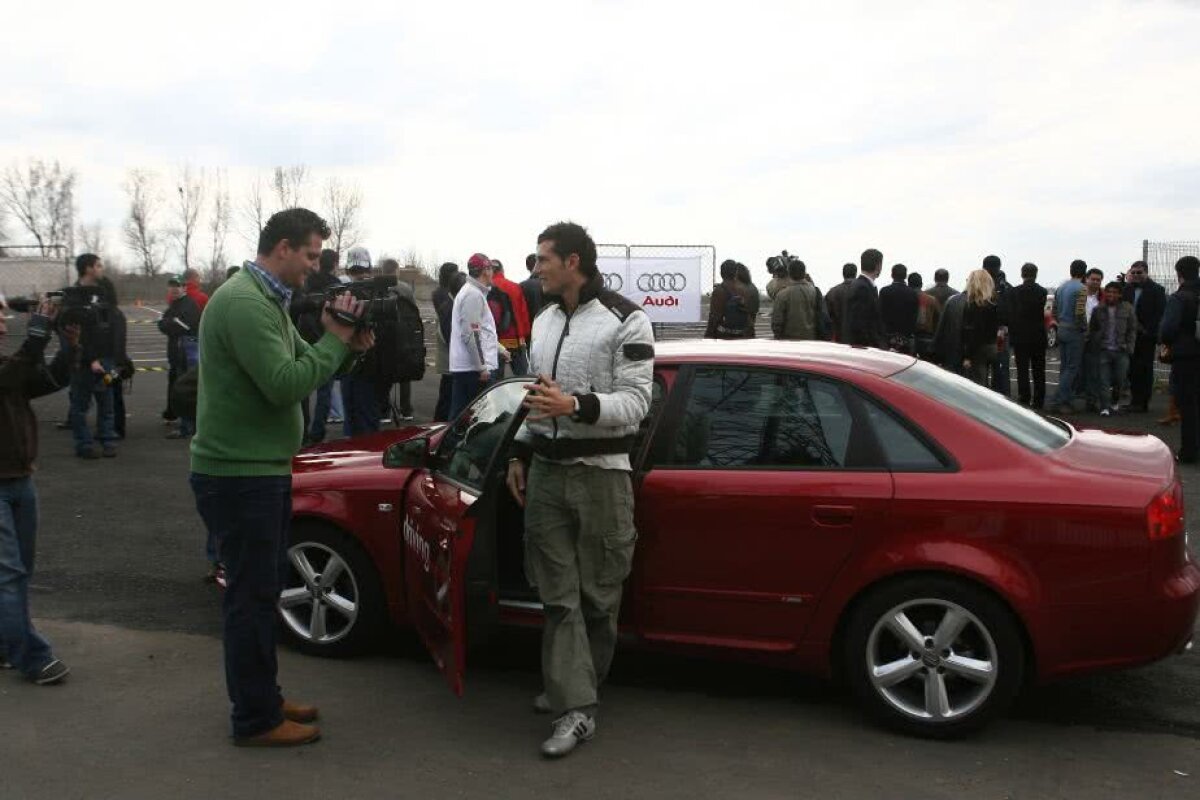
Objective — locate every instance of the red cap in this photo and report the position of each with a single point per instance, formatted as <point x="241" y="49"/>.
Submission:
<point x="478" y="261"/>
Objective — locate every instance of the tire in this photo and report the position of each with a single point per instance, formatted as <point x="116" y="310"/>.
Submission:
<point x="351" y="610"/>
<point x="940" y="684"/>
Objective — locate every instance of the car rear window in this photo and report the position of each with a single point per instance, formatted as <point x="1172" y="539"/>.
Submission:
<point x="983" y="405"/>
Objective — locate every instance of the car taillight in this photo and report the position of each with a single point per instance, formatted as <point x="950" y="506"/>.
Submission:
<point x="1164" y="515"/>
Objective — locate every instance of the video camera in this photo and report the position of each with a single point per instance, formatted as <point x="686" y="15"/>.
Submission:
<point x="380" y="303"/>
<point x="77" y="305"/>
<point x="778" y="265"/>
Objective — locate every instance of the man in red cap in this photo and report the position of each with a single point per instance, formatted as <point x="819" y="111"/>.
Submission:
<point x="507" y="301"/>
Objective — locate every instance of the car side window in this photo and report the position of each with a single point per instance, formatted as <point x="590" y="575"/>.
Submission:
<point x="902" y="449"/>
<point x="763" y="419"/>
<point x="470" y="445"/>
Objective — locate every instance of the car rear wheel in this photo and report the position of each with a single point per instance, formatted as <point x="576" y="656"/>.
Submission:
<point x="933" y="656"/>
<point x="331" y="603"/>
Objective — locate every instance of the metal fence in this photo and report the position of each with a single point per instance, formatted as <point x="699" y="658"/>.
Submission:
<point x="1160" y="257"/>
<point x="27" y="269"/>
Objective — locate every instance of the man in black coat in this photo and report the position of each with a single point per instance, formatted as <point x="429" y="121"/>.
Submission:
<point x="531" y="287"/>
<point x="1179" y="333"/>
<point x="898" y="306"/>
<point x="863" y="324"/>
<point x="181" y="325"/>
<point x="1149" y="300"/>
<point x="1027" y="332"/>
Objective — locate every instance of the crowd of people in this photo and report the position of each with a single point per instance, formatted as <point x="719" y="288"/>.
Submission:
<point x="270" y="343"/>
<point x="1108" y="334"/>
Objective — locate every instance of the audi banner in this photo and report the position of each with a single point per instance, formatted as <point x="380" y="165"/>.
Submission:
<point x="668" y="288"/>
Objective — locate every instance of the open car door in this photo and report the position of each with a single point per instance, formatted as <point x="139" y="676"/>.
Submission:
<point x="450" y="560"/>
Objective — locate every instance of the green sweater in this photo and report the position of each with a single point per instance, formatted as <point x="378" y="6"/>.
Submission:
<point x="254" y="371"/>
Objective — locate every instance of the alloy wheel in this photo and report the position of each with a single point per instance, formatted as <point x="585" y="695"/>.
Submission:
<point x="932" y="660"/>
<point x="320" y="599"/>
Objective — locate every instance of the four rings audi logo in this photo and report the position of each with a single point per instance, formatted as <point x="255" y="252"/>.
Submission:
<point x="662" y="282"/>
<point x="613" y="281"/>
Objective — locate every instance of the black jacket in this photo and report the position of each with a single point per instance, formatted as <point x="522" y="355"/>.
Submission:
<point x="898" y="305"/>
<point x="23" y="377"/>
<point x="979" y="327"/>
<point x="835" y="306"/>
<point x="1151" y="307"/>
<point x="182" y="318"/>
<point x="1027" y="306"/>
<point x="1179" y="323"/>
<point x="308" y="323"/>
<point x="862" y="324"/>
<point x="532" y="289"/>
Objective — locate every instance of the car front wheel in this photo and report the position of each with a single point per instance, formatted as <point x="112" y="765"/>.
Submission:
<point x="331" y="601"/>
<point x="934" y="656"/>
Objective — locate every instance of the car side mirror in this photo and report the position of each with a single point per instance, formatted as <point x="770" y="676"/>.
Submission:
<point x="409" y="454"/>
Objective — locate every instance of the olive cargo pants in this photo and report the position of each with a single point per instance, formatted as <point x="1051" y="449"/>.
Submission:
<point x="579" y="540"/>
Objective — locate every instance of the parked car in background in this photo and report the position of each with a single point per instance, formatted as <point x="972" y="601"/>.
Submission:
<point x="841" y="511"/>
<point x="1051" y="323"/>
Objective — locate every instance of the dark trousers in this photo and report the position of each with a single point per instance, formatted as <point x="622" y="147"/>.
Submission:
<point x="1185" y="378"/>
<point x="1000" y="372"/>
<point x="320" y="412"/>
<point x="20" y="643"/>
<point x="441" y="411"/>
<point x="466" y="385"/>
<point x="1031" y="362"/>
<point x="1141" y="371"/>
<point x="250" y="517"/>
<point x="360" y="399"/>
<point x="86" y="386"/>
<point x="118" y="392"/>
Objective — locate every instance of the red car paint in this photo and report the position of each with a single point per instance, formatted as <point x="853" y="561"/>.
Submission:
<point x="764" y="565"/>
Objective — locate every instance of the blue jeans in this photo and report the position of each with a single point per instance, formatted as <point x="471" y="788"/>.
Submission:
<point x="1070" y="351"/>
<point x="361" y="399"/>
<point x="20" y="643"/>
<point x="189" y="347"/>
<point x="86" y="385"/>
<point x="1114" y="366"/>
<point x="316" y="428"/>
<point x="465" y="386"/>
<point x="250" y="518"/>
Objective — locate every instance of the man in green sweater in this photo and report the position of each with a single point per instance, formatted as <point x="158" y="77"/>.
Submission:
<point x="255" y="371"/>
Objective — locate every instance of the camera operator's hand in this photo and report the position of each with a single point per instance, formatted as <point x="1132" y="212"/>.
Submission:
<point x="97" y="368"/>
<point x="345" y="302"/>
<point x="363" y="341"/>
<point x="71" y="335"/>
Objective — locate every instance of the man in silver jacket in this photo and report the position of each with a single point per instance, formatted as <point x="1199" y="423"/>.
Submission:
<point x="593" y="353"/>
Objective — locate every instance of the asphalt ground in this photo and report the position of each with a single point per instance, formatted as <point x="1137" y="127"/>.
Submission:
<point x="118" y="589"/>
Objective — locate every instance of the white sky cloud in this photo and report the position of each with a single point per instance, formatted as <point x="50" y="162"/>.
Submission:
<point x="937" y="132"/>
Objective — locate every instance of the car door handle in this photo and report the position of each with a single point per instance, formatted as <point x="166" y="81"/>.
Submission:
<point x="833" y="516"/>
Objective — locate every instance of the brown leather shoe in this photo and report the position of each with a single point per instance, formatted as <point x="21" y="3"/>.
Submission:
<point x="286" y="734"/>
<point x="299" y="713"/>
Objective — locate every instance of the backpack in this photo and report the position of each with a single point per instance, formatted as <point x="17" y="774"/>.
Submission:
<point x="399" y="351"/>
<point x="736" y="317"/>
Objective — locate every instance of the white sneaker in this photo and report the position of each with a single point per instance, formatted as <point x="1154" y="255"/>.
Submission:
<point x="1104" y="412"/>
<point x="569" y="730"/>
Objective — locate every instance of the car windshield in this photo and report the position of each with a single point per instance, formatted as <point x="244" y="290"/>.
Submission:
<point x="1000" y="414"/>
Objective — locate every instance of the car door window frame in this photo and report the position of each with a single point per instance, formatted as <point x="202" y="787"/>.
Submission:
<point x="437" y="468"/>
<point x="948" y="462"/>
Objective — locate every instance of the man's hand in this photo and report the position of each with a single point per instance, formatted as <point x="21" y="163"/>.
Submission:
<point x="547" y="399"/>
<point x="363" y="341"/>
<point x="97" y="368"/>
<point x="71" y="335"/>
<point x="505" y="356"/>
<point x="345" y="302"/>
<point x="485" y="374"/>
<point x="516" y="481"/>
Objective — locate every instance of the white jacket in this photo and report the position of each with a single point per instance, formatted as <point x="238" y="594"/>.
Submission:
<point x="473" y="343"/>
<point x="604" y="354"/>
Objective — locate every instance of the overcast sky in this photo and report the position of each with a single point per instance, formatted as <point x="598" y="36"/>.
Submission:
<point x="936" y="132"/>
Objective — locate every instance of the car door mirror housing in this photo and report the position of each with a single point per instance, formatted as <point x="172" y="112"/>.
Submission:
<point x="409" y="454"/>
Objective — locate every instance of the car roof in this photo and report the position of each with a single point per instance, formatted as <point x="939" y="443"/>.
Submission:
<point x="782" y="353"/>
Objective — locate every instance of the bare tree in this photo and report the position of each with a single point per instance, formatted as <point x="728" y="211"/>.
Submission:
<point x="218" y="227"/>
<point x="142" y="235"/>
<point x="343" y="207"/>
<point x="41" y="196"/>
<point x="290" y="184"/>
<point x="254" y="210"/>
<point x="91" y="238"/>
<point x="189" y="202"/>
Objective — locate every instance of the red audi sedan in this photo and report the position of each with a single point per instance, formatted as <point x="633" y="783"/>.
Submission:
<point x="842" y="511"/>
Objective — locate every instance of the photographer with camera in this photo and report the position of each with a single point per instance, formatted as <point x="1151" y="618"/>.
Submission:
<point x="181" y="325"/>
<point x="95" y="369"/>
<point x="255" y="371"/>
<point x="780" y="279"/>
<point x="23" y="377"/>
<point x="308" y="323"/>
<point x="360" y="390"/>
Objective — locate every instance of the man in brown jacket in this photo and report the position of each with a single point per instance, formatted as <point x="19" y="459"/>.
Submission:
<point x="22" y="377"/>
<point x="796" y="312"/>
